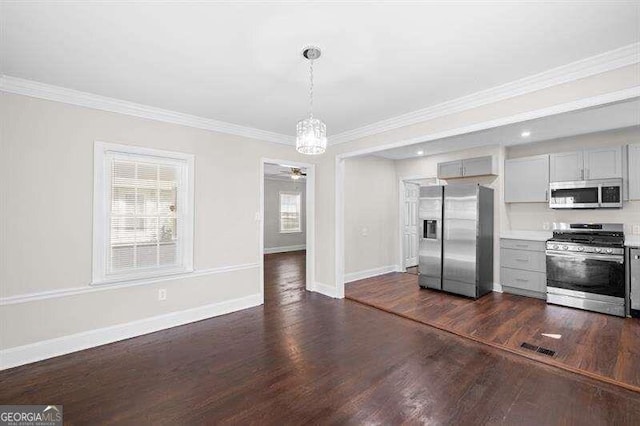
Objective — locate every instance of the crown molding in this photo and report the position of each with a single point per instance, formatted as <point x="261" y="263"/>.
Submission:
<point x="50" y="92"/>
<point x="608" y="61"/>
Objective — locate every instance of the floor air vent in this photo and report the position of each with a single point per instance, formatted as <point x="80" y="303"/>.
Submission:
<point x="540" y="350"/>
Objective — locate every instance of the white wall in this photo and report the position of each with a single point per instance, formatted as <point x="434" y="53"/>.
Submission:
<point x="532" y="216"/>
<point x="371" y="215"/>
<point x="274" y="240"/>
<point x="46" y="184"/>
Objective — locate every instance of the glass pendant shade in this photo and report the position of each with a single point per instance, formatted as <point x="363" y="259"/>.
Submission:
<point x="311" y="136"/>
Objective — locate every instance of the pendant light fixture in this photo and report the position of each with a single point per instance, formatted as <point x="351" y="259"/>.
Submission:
<point x="311" y="133"/>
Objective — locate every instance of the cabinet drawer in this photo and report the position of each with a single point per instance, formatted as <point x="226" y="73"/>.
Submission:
<point x="522" y="244"/>
<point x="524" y="280"/>
<point x="523" y="259"/>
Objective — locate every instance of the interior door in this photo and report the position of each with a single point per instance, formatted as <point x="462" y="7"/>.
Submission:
<point x="410" y="245"/>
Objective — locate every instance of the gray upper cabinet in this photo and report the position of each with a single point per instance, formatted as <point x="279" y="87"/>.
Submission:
<point x="450" y="169"/>
<point x="634" y="172"/>
<point x="566" y="166"/>
<point x="603" y="163"/>
<point x="597" y="163"/>
<point x="526" y="180"/>
<point x="479" y="166"/>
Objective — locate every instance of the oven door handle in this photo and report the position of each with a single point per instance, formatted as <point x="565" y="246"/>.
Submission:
<point x="587" y="256"/>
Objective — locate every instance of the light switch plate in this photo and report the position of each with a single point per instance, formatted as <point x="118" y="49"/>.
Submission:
<point x="162" y="294"/>
<point x="636" y="230"/>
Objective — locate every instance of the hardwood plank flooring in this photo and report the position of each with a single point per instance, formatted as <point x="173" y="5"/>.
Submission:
<point x="305" y="358"/>
<point x="600" y="346"/>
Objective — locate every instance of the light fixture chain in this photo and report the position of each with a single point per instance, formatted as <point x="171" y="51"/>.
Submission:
<point x="311" y="88"/>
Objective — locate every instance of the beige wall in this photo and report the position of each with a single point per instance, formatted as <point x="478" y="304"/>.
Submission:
<point x="532" y="216"/>
<point x="46" y="182"/>
<point x="370" y="214"/>
<point x="600" y="84"/>
<point x="46" y="188"/>
<point x="273" y="238"/>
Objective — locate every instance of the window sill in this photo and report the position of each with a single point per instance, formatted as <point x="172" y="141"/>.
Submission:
<point x="143" y="279"/>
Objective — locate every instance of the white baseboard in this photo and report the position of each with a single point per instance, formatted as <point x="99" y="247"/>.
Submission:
<point x="20" y="355"/>
<point x="497" y="287"/>
<point x="284" y="249"/>
<point x="361" y="275"/>
<point x="325" y="289"/>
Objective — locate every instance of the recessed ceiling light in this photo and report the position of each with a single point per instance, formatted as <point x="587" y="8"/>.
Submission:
<point x="421" y="152"/>
<point x="525" y="134"/>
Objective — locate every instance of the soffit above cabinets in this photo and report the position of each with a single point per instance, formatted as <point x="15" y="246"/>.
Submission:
<point x="236" y="67"/>
<point x="609" y="117"/>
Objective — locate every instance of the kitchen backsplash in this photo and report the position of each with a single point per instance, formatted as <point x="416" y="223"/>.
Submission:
<point x="533" y="216"/>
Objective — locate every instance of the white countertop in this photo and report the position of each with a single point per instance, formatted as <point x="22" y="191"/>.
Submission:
<point x="527" y="235"/>
<point x="632" y="240"/>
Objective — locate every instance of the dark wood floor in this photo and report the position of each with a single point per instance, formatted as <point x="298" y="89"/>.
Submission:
<point x="305" y="358"/>
<point x="602" y="346"/>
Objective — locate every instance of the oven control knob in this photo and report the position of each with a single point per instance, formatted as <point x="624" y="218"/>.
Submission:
<point x="580" y="248"/>
<point x="565" y="247"/>
<point x="609" y="250"/>
<point x="598" y="249"/>
<point x="554" y="247"/>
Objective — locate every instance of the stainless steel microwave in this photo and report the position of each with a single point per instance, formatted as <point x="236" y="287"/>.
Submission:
<point x="586" y="194"/>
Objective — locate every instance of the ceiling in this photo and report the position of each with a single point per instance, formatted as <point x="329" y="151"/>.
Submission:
<point x="590" y="120"/>
<point x="280" y="171"/>
<point x="240" y="62"/>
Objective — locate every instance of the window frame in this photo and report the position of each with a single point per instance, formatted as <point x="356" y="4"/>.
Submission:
<point x="299" y="195"/>
<point x="103" y="153"/>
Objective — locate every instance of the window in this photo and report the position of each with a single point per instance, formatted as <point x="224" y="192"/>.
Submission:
<point x="143" y="213"/>
<point x="290" y="220"/>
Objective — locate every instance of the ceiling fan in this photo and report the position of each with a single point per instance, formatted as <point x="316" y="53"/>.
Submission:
<point x="295" y="173"/>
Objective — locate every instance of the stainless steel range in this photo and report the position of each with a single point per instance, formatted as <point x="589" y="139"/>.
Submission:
<point x="585" y="267"/>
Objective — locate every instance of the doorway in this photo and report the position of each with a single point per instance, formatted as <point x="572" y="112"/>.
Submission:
<point x="286" y="230"/>
<point x="409" y="191"/>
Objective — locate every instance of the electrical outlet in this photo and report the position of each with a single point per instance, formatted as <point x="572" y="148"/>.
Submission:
<point x="364" y="232"/>
<point x="162" y="294"/>
<point x="546" y="226"/>
<point x="636" y="230"/>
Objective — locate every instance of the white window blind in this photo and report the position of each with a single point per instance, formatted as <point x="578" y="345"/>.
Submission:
<point x="290" y="220"/>
<point x="144" y="215"/>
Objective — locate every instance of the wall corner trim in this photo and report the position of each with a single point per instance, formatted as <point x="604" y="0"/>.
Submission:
<point x="369" y="273"/>
<point x="52" y="294"/>
<point x="34" y="89"/>
<point x="583" y="68"/>
<point x="26" y="354"/>
<point x="326" y="290"/>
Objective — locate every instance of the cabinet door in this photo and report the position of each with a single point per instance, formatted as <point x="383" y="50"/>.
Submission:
<point x="526" y="180"/>
<point x="635" y="278"/>
<point x="450" y="169"/>
<point x="478" y="166"/>
<point x="634" y="172"/>
<point x="603" y="163"/>
<point x="566" y="166"/>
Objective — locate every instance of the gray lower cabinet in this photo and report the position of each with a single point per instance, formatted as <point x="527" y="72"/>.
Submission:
<point x="523" y="269"/>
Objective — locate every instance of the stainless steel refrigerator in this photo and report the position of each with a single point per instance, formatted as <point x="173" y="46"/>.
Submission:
<point x="456" y="239"/>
